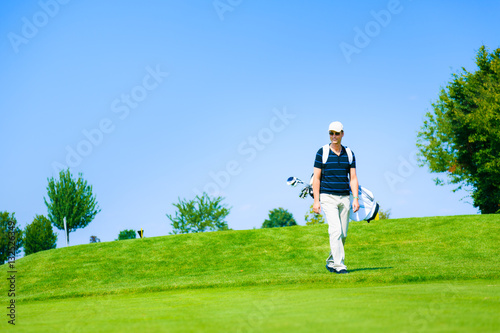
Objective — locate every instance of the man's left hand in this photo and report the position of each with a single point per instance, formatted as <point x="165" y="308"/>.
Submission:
<point x="355" y="205"/>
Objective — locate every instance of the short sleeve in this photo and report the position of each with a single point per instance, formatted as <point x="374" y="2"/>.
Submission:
<point x="318" y="162"/>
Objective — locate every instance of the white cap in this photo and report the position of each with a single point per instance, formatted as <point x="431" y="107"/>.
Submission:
<point x="336" y="126"/>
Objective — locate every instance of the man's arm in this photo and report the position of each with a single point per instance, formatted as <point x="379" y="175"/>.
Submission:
<point x="316" y="186"/>
<point x="354" y="189"/>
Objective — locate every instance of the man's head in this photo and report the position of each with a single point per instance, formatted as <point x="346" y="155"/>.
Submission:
<point x="336" y="131"/>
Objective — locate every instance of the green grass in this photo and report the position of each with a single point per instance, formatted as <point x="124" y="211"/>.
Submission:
<point x="427" y="307"/>
<point x="420" y="274"/>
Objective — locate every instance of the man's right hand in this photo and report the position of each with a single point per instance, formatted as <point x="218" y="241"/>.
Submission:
<point x="317" y="207"/>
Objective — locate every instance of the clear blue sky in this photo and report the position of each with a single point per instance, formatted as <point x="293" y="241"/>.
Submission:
<point x="152" y="100"/>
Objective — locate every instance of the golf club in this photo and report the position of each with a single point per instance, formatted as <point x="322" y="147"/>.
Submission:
<point x="294" y="181"/>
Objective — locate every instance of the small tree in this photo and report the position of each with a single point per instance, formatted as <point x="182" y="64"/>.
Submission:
<point x="11" y="237"/>
<point x="384" y="214"/>
<point x="199" y="215"/>
<point x="38" y="236"/>
<point x="279" y="217"/>
<point x="94" y="239"/>
<point x="126" y="234"/>
<point x="72" y="199"/>
<point x="312" y="218"/>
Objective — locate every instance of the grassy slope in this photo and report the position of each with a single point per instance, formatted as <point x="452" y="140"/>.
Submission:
<point x="380" y="253"/>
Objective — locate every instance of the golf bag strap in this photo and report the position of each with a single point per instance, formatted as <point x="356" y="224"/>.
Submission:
<point x="349" y="154"/>
<point x="326" y="152"/>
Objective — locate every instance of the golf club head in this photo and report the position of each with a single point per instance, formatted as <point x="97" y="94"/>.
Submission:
<point x="305" y="191"/>
<point x="293" y="181"/>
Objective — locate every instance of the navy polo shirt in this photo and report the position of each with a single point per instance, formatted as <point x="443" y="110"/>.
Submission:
<point x="335" y="172"/>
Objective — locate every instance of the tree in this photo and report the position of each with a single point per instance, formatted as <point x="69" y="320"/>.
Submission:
<point x="461" y="137"/>
<point x="279" y="217"/>
<point x="72" y="199"/>
<point x="38" y="236"/>
<point x="11" y="237"/>
<point x="199" y="215"/>
<point x="94" y="239"/>
<point x="384" y="214"/>
<point x="312" y="218"/>
<point x="126" y="234"/>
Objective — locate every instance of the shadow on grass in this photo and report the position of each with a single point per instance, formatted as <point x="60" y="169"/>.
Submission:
<point x="368" y="269"/>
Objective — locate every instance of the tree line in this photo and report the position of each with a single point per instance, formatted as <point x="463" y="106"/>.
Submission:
<point x="71" y="205"/>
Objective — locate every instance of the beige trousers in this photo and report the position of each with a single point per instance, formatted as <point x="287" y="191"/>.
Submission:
<point x="336" y="208"/>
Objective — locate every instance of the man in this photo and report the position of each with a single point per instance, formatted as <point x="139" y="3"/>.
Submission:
<point x="331" y="182"/>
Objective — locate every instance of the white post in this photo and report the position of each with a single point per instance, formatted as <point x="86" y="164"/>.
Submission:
<point x="65" y="230"/>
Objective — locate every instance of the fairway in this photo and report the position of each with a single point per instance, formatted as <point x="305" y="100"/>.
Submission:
<point x="426" y="307"/>
<point x="437" y="274"/>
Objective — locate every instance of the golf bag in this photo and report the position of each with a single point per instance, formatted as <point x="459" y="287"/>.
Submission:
<point x="368" y="207"/>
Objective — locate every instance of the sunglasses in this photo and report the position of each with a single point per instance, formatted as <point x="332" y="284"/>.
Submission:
<point x="334" y="133"/>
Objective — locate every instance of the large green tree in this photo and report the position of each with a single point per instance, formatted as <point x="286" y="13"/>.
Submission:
<point x="38" y="236"/>
<point x="200" y="214"/>
<point x="279" y="217"/>
<point x="11" y="237"/>
<point x="70" y="198"/>
<point x="460" y="138"/>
